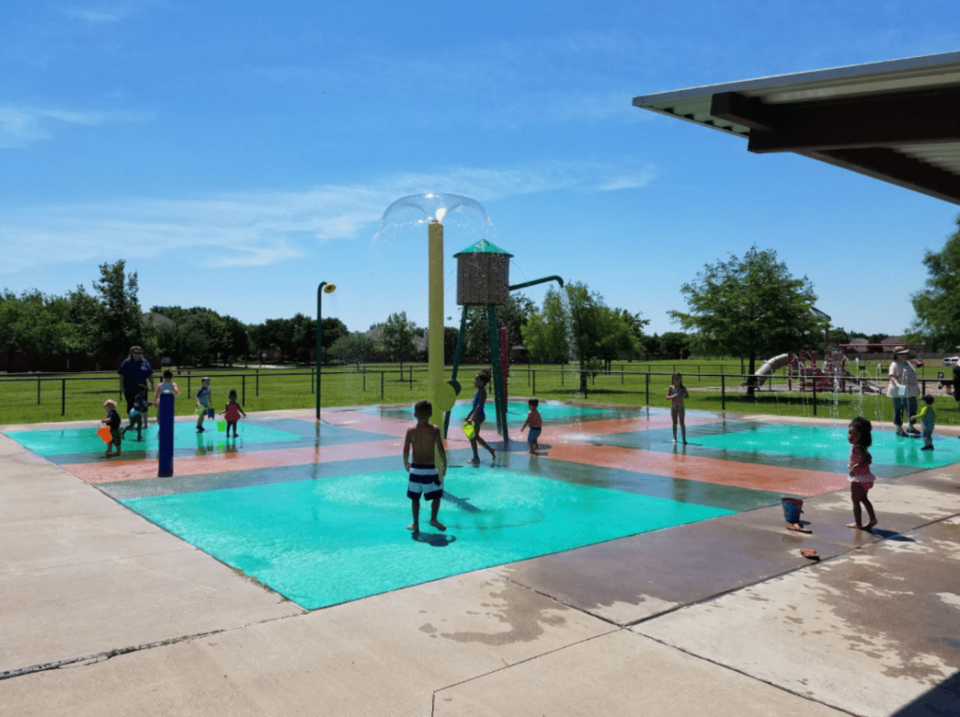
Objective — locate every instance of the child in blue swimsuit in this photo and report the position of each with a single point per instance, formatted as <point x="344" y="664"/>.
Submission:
<point x="477" y="416"/>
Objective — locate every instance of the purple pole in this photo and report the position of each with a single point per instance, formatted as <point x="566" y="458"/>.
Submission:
<point x="165" y="422"/>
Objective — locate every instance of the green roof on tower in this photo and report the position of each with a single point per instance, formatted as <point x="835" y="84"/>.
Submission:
<point x="483" y="247"/>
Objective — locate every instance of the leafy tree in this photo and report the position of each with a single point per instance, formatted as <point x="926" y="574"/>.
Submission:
<point x="673" y="345"/>
<point x="450" y="337"/>
<point x="85" y="311"/>
<point x="839" y="335"/>
<point x="547" y="332"/>
<point x="937" y="306"/>
<point x="236" y="340"/>
<point x="513" y="316"/>
<point x="397" y="337"/>
<point x="333" y="329"/>
<point x="749" y="307"/>
<point x="352" y="348"/>
<point x="119" y="324"/>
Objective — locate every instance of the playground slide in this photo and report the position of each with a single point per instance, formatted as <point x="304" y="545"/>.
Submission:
<point x="782" y="360"/>
<point x="769" y="367"/>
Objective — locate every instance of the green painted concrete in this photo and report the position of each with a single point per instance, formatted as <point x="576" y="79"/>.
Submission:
<point x="63" y="441"/>
<point x="831" y="444"/>
<point x="322" y="542"/>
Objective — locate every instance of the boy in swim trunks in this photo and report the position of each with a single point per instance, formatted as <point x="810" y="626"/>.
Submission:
<point x="424" y="477"/>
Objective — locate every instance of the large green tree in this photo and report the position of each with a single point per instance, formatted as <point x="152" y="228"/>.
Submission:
<point x="512" y="316"/>
<point x="119" y="324"/>
<point x="548" y="332"/>
<point x="749" y="307"/>
<point x="397" y="337"/>
<point x="937" y="306"/>
<point x="352" y="348"/>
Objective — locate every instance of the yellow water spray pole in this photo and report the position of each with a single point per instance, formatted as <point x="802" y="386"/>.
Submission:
<point x="435" y="318"/>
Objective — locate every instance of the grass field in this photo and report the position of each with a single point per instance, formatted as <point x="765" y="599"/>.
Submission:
<point x="67" y="397"/>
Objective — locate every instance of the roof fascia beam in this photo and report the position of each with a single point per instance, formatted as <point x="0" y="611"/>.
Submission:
<point x="896" y="168"/>
<point x="850" y="123"/>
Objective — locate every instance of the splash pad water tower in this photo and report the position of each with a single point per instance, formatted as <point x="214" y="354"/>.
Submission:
<point x="483" y="279"/>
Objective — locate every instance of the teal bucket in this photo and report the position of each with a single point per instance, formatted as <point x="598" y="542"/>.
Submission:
<point x="792" y="508"/>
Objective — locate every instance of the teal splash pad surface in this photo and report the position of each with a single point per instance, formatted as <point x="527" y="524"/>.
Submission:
<point x="323" y="542"/>
<point x="65" y="441"/>
<point x="830" y="444"/>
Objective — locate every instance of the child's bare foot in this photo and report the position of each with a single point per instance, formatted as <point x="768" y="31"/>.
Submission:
<point x="438" y="525"/>
<point x="493" y="454"/>
<point x="854" y="526"/>
<point x="414" y="527"/>
<point x="118" y="454"/>
<point x="868" y="526"/>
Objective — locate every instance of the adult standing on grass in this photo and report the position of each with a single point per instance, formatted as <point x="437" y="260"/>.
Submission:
<point x="903" y="388"/>
<point x="134" y="371"/>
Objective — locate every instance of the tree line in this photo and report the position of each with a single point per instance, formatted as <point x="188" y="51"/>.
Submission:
<point x="749" y="308"/>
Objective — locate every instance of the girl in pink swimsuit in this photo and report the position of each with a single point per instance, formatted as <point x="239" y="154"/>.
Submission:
<point x="232" y="413"/>
<point x="861" y="479"/>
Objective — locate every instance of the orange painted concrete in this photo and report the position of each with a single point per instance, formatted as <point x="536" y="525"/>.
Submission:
<point x="707" y="470"/>
<point x="113" y="471"/>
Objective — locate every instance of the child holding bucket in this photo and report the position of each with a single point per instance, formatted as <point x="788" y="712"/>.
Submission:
<point x="112" y="421"/>
<point x="232" y="412"/>
<point x="861" y="479"/>
<point x="476" y="416"/>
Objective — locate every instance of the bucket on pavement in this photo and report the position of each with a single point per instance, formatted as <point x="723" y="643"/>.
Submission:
<point x="792" y="508"/>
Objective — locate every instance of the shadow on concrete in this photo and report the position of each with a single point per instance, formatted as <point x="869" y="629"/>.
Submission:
<point x="941" y="701"/>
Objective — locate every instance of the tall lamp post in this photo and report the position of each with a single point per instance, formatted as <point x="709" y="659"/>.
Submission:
<point x="324" y="288"/>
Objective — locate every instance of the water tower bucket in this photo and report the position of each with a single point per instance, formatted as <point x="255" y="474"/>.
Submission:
<point x="792" y="508"/>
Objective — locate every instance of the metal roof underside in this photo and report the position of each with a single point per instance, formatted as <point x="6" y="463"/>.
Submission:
<point x="898" y="121"/>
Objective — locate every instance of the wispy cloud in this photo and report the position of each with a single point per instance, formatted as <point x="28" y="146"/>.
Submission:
<point x="501" y="85"/>
<point x="261" y="228"/>
<point x="105" y="11"/>
<point x="21" y="126"/>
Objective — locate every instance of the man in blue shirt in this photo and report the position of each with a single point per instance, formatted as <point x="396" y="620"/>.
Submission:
<point x="134" y="370"/>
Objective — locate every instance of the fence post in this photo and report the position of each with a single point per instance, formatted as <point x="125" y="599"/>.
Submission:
<point x="243" y="384"/>
<point x="814" y="382"/>
<point x="648" y="388"/>
<point x="189" y="392"/>
<point x="381" y="385"/>
<point x="723" y="390"/>
<point x="528" y="374"/>
<point x="38" y="391"/>
<point x="411" y="377"/>
<point x="63" y="397"/>
<point x="311" y="379"/>
<point x="561" y="374"/>
<point x="534" y="383"/>
<point x="258" y="383"/>
<point x="622" y="373"/>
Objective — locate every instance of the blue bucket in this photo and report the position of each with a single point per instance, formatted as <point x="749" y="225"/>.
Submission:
<point x="792" y="508"/>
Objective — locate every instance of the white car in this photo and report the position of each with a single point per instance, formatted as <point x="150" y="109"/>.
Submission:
<point x="951" y="361"/>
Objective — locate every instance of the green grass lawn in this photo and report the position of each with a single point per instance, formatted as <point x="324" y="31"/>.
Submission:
<point x="70" y="397"/>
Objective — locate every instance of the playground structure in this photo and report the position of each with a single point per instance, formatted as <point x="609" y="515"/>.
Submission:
<point x="803" y="369"/>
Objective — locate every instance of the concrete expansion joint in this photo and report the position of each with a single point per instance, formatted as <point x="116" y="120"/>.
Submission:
<point x="749" y="676"/>
<point x="116" y="652"/>
<point x="569" y="606"/>
<point x="508" y="666"/>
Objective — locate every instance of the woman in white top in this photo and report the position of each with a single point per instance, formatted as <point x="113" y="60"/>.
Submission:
<point x="903" y="389"/>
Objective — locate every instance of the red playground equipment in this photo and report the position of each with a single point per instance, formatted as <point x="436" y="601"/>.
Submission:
<point x="832" y="375"/>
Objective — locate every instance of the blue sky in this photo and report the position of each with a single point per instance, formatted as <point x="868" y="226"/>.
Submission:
<point x="236" y="154"/>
